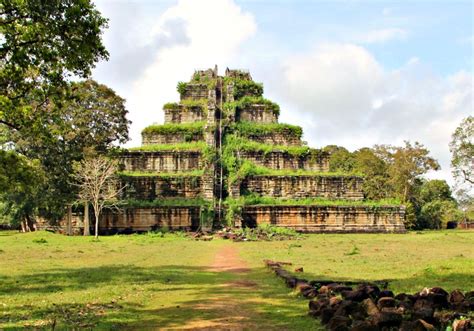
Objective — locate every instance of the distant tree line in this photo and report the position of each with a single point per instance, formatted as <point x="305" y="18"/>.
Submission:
<point x="397" y="172"/>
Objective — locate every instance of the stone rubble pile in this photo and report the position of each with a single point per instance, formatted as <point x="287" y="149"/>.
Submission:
<point x="364" y="306"/>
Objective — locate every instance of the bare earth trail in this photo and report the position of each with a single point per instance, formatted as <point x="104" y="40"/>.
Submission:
<point x="227" y="307"/>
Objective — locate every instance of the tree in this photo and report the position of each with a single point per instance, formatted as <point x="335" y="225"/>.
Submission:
<point x="44" y="43"/>
<point x="435" y="189"/>
<point x="98" y="184"/>
<point x="340" y="159"/>
<point x="406" y="165"/>
<point x="375" y="171"/>
<point x="20" y="188"/>
<point x="88" y="118"/>
<point x="462" y="149"/>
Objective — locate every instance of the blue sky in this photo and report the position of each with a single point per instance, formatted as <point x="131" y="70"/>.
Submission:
<point x="352" y="73"/>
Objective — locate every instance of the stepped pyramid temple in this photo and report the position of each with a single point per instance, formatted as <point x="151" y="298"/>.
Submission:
<point x="222" y="159"/>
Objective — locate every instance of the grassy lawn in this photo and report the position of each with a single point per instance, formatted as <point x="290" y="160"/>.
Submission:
<point x="148" y="281"/>
<point x="136" y="281"/>
<point x="409" y="261"/>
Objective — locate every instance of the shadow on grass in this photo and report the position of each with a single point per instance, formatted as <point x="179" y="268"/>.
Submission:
<point x="218" y="299"/>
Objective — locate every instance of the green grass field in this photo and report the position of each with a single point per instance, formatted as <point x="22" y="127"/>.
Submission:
<point x="150" y="281"/>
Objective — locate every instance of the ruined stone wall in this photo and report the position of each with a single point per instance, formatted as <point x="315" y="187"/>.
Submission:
<point x="151" y="188"/>
<point x="327" y="218"/>
<point x="276" y="139"/>
<point x="149" y="219"/>
<point x="349" y="188"/>
<point x="195" y="92"/>
<point x="184" y="114"/>
<point x="165" y="161"/>
<point x="159" y="139"/>
<point x="283" y="160"/>
<point x="256" y="113"/>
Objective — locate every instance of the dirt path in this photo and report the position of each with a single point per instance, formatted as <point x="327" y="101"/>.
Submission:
<point x="226" y="304"/>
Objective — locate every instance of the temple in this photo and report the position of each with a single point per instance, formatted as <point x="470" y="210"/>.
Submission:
<point x="222" y="159"/>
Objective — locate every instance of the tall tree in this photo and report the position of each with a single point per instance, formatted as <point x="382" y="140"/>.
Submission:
<point x="406" y="165"/>
<point x="44" y="43"/>
<point x="85" y="119"/>
<point x="462" y="149"/>
<point x="98" y="184"/>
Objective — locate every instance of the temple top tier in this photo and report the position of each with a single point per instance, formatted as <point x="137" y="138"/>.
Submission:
<point x="233" y="97"/>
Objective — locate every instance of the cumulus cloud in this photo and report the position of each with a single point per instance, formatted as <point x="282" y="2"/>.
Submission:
<point x="186" y="36"/>
<point x="344" y="96"/>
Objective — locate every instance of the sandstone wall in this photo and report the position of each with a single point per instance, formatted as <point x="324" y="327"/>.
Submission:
<point x="156" y="138"/>
<point x="195" y="92"/>
<point x="165" y="161"/>
<point x="348" y="188"/>
<point x="283" y="160"/>
<point x="327" y="219"/>
<point x="256" y="113"/>
<point x="151" y="188"/>
<point x="184" y="114"/>
<point x="149" y="219"/>
<point x="276" y="139"/>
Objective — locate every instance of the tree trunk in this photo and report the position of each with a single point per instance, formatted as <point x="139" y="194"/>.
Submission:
<point x="96" y="225"/>
<point x="24" y="227"/>
<point x="30" y="224"/>
<point x="87" y="229"/>
<point x="69" y="220"/>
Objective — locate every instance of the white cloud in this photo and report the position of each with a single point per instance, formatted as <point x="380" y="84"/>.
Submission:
<point x="341" y="95"/>
<point x="187" y="36"/>
<point x="382" y="35"/>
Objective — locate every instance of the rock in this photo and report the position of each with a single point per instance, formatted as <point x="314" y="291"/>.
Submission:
<point x="324" y="289"/>
<point x="422" y="325"/>
<point x="370" y="307"/>
<point x="462" y="325"/>
<point x="407" y="326"/>
<point x="424" y="313"/>
<point x="363" y="326"/>
<point x="372" y="291"/>
<point x="310" y="293"/>
<point x="334" y="301"/>
<point x="317" y="305"/>
<point x="402" y="297"/>
<point x="338" y="288"/>
<point x="299" y="269"/>
<point x="439" y="290"/>
<point x="357" y="295"/>
<point x="388" y="319"/>
<point x="386" y="293"/>
<point x="386" y="302"/>
<point x="456" y="297"/>
<point x="339" y="323"/>
<point x="326" y="314"/>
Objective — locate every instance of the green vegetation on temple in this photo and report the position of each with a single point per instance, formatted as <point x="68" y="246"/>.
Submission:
<point x="191" y="129"/>
<point x="165" y="202"/>
<point x="246" y="102"/>
<point x="256" y="170"/>
<point x="193" y="173"/>
<point x="178" y="147"/>
<point x="236" y="143"/>
<point x="249" y="129"/>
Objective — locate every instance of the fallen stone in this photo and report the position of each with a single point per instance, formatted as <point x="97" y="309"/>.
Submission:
<point x="363" y="326"/>
<point x="326" y="314"/>
<point x="386" y="302"/>
<point x="422" y="325"/>
<point x="462" y="325"/>
<point x="388" y="319"/>
<point x="299" y="269"/>
<point x="386" y="293"/>
<point x="357" y="295"/>
<point x="456" y="297"/>
<point x="339" y="323"/>
<point x="370" y="307"/>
